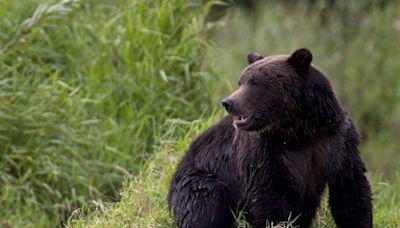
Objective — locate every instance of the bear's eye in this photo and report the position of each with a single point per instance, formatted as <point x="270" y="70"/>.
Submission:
<point x="251" y="81"/>
<point x="239" y="83"/>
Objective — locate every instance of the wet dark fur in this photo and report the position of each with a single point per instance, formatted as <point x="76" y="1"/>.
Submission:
<point x="280" y="166"/>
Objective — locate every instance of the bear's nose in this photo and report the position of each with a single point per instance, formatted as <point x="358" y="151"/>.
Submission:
<point x="227" y="103"/>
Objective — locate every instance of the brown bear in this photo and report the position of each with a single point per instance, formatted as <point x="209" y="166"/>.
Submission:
<point x="285" y="138"/>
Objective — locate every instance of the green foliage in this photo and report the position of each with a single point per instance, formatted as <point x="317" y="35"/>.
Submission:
<point x="85" y="88"/>
<point x="360" y="60"/>
<point x="143" y="199"/>
<point x="95" y="92"/>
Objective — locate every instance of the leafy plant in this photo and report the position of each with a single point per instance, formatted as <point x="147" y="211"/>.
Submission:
<point x="85" y="88"/>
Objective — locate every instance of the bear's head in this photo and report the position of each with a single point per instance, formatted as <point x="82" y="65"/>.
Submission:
<point x="283" y="92"/>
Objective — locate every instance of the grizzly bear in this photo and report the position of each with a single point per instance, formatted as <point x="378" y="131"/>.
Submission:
<point x="285" y="138"/>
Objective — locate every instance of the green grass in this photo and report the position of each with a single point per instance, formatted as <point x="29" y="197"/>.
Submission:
<point x="143" y="199"/>
<point x="85" y="88"/>
<point x="356" y="47"/>
<point x="143" y="202"/>
<point x="96" y="92"/>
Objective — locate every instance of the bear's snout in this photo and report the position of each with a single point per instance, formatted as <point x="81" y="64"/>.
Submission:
<point x="228" y="104"/>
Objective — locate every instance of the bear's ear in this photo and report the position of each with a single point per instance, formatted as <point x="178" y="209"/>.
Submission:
<point x="301" y="60"/>
<point x="253" y="57"/>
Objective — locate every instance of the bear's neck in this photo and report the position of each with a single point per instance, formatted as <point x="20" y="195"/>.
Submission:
<point x="297" y="134"/>
<point x="318" y="115"/>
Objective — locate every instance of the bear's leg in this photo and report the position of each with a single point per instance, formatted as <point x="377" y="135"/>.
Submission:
<point x="200" y="200"/>
<point x="350" y="194"/>
<point x="269" y="206"/>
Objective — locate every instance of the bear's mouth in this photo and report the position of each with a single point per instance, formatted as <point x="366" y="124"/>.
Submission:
<point x="241" y="121"/>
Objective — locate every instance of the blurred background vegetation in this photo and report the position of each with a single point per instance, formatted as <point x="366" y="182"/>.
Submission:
<point x="94" y="93"/>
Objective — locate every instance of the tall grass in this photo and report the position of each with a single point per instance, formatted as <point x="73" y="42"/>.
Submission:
<point x="94" y="92"/>
<point x="84" y="91"/>
<point x="356" y="46"/>
<point x="143" y="199"/>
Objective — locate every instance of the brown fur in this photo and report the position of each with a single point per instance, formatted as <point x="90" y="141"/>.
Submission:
<point x="291" y="139"/>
